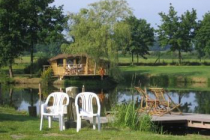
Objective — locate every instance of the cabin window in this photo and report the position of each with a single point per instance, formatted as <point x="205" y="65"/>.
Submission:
<point x="70" y="61"/>
<point x="60" y="62"/>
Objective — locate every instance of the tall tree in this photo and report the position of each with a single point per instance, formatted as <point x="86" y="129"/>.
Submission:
<point x="11" y="32"/>
<point x="44" y="23"/>
<point x="142" y="36"/>
<point x="94" y="30"/>
<point x="178" y="32"/>
<point x="24" y="23"/>
<point x="202" y="39"/>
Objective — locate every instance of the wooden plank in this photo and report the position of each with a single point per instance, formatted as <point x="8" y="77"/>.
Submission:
<point x="198" y="124"/>
<point x="191" y="120"/>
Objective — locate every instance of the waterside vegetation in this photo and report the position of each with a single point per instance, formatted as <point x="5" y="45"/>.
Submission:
<point x="18" y="125"/>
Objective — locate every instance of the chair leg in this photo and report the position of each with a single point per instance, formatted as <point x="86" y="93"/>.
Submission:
<point x="60" y="123"/>
<point x="63" y="124"/>
<point x="78" y="123"/>
<point x="99" y="123"/>
<point x="49" y="121"/>
<point x="41" y="122"/>
<point x="94" y="123"/>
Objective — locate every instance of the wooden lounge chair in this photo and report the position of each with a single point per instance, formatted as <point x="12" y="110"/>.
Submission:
<point x="147" y="104"/>
<point x="165" y="104"/>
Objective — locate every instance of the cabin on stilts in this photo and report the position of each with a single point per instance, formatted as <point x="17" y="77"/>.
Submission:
<point x="77" y="65"/>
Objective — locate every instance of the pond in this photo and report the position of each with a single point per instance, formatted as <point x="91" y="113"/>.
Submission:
<point x="25" y="98"/>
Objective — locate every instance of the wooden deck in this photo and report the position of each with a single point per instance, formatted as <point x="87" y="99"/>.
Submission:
<point x="84" y="77"/>
<point x="187" y="119"/>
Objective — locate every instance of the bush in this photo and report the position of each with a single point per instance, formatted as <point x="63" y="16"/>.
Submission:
<point x="37" y="66"/>
<point x="46" y="76"/>
<point x="126" y="115"/>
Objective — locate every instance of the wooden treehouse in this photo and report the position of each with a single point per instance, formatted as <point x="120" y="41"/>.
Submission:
<point x="77" y="65"/>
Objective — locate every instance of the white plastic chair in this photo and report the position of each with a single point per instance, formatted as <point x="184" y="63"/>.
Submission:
<point x="84" y="107"/>
<point x="56" y="109"/>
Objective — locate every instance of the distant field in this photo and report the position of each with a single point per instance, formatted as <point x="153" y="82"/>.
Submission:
<point x="20" y="64"/>
<point x="24" y="59"/>
<point x="189" y="71"/>
<point x="127" y="59"/>
<point x="165" y="57"/>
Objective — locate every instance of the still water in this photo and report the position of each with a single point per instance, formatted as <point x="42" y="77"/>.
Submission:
<point x="23" y="98"/>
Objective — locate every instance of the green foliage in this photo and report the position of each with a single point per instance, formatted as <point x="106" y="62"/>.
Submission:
<point x="23" y="23"/>
<point x="202" y="40"/>
<point x="47" y="76"/>
<point x="142" y="36"/>
<point x="12" y="41"/>
<point x="177" y="32"/>
<point x="115" y="73"/>
<point x="37" y="66"/>
<point x="96" y="31"/>
<point x="44" y="23"/>
<point x="48" y="50"/>
<point x="126" y="115"/>
<point x="18" y="125"/>
<point x="4" y="79"/>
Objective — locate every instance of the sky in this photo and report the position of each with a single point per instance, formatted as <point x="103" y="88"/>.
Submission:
<point x="145" y="9"/>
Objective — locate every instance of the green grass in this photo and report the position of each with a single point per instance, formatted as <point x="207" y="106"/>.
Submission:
<point x="18" y="125"/>
<point x="166" y="57"/>
<point x="21" y="63"/>
<point x="189" y="71"/>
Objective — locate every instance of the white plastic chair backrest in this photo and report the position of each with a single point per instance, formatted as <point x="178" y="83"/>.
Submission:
<point x="87" y="102"/>
<point x="58" y="100"/>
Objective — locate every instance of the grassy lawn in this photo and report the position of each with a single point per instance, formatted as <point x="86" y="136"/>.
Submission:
<point x="18" y="125"/>
<point x="189" y="71"/>
<point x="162" y="60"/>
<point x="165" y="57"/>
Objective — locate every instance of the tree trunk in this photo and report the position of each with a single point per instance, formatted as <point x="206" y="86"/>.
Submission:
<point x="95" y="69"/>
<point x="158" y="59"/>
<point x="10" y="71"/>
<point x="32" y="58"/>
<point x="132" y="58"/>
<point x="180" y="57"/>
<point x="10" y="95"/>
<point x="137" y="58"/>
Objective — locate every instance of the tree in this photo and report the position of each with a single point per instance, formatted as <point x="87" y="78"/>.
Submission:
<point x="44" y="23"/>
<point x="178" y="32"/>
<point x="23" y="23"/>
<point x="11" y="32"/>
<point x="202" y="39"/>
<point x="142" y="36"/>
<point x="94" y="30"/>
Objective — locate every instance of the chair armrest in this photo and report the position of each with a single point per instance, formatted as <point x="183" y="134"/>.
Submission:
<point x="43" y="107"/>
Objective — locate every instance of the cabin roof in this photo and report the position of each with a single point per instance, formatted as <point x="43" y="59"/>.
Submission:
<point x="61" y="56"/>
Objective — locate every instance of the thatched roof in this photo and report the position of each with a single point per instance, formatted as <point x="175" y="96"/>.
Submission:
<point x="61" y="56"/>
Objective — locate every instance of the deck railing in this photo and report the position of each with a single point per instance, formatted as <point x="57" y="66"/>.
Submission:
<point x="71" y="69"/>
<point x="74" y="69"/>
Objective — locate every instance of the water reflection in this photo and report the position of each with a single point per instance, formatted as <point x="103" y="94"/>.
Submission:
<point x="191" y="101"/>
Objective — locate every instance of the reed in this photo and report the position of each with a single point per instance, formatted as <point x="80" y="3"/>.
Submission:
<point x="126" y="116"/>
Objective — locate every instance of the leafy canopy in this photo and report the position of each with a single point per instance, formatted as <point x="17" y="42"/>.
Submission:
<point x="177" y="32"/>
<point x="95" y="31"/>
<point x="202" y="39"/>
